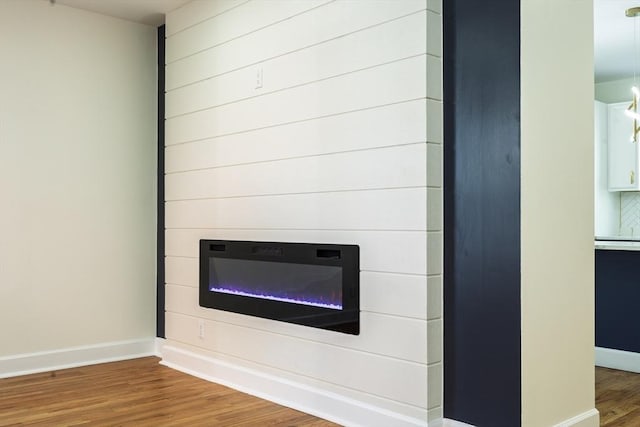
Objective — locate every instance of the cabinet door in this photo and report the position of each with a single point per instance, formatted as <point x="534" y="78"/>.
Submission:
<point x="623" y="152"/>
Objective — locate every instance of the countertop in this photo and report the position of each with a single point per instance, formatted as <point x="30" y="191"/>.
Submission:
<point x="620" y="243"/>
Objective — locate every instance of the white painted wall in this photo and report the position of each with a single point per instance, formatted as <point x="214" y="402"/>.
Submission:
<point x="77" y="178"/>
<point x="341" y="142"/>
<point x="557" y="214"/>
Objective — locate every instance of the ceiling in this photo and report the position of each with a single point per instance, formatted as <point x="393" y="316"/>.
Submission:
<point x="150" y="12"/>
<point x="614" y="36"/>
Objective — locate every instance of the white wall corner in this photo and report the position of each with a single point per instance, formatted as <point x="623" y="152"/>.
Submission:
<point x="617" y="359"/>
<point x="31" y="363"/>
<point x="302" y="397"/>
<point x="590" y="418"/>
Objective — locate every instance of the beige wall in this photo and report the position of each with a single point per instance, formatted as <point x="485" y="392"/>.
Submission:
<point x="77" y="178"/>
<point x="557" y="212"/>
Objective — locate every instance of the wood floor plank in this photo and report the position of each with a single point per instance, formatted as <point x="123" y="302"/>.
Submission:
<point x="138" y="392"/>
<point x="141" y="392"/>
<point x="618" y="397"/>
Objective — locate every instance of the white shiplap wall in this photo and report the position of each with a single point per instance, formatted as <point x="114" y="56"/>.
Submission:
<point x="339" y="142"/>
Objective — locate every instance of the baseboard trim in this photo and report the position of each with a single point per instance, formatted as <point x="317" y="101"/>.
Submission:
<point x="311" y="400"/>
<point x="446" y="422"/>
<point x="32" y="363"/>
<point x="590" y="418"/>
<point x="618" y="359"/>
<point x="159" y="345"/>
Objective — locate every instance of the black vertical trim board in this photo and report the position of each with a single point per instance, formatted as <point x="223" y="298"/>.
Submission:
<point x="482" y="212"/>
<point x="160" y="204"/>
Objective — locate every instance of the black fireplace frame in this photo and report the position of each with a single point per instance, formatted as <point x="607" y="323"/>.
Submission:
<point x="347" y="257"/>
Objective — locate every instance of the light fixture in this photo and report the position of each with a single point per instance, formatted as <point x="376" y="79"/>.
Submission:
<point x="632" y="110"/>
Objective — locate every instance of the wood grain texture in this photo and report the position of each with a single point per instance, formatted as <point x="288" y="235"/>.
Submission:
<point x="136" y="392"/>
<point x="618" y="397"/>
<point x="481" y="287"/>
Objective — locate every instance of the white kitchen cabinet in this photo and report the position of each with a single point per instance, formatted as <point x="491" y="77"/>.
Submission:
<point x="623" y="153"/>
<point x="606" y="203"/>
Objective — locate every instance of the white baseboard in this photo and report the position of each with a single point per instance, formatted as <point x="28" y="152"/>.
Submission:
<point x="159" y="345"/>
<point x="446" y="422"/>
<point x="31" y="363"/>
<point x="590" y="418"/>
<point x="311" y="400"/>
<point x="618" y="359"/>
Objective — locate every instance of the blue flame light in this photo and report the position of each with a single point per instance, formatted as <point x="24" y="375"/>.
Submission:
<point x="333" y="303"/>
<point x="306" y="284"/>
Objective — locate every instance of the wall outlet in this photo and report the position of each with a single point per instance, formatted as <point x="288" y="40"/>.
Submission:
<point x="259" y="78"/>
<point x="201" y="329"/>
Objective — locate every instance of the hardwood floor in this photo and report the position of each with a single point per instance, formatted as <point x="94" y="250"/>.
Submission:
<point x="618" y="397"/>
<point x="137" y="392"/>
<point x="141" y="392"/>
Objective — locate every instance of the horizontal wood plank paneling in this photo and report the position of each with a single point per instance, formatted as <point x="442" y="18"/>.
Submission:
<point x="329" y="147"/>
<point x="394" y="167"/>
<point x="384" y="376"/>
<point x="434" y="78"/>
<point x="242" y="20"/>
<point x="394" y="40"/>
<point x="198" y="11"/>
<point x="434" y="37"/>
<point x="337" y="19"/>
<point x="384" y="251"/>
<point x="434" y="121"/>
<point x="181" y="271"/>
<point x="396" y="124"/>
<point x="386" y="84"/>
<point x="435" y="6"/>
<point x="396" y="294"/>
<point x="401" y="335"/>
<point x="401" y="209"/>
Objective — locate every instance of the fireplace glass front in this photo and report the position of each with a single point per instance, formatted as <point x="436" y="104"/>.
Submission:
<point x="309" y="284"/>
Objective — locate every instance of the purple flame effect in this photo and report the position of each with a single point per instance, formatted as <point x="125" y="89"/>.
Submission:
<point x="333" y="302"/>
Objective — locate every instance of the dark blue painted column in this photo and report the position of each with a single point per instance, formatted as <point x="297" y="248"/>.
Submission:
<point x="482" y="383"/>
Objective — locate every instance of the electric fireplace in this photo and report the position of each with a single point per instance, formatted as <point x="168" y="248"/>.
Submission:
<point x="304" y="283"/>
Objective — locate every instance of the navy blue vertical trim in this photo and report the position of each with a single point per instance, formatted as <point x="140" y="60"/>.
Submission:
<point x="482" y="382"/>
<point x="160" y="204"/>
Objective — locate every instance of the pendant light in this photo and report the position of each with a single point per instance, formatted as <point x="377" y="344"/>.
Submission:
<point x="632" y="110"/>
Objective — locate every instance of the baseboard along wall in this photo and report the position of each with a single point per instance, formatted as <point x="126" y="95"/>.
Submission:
<point x="590" y="418"/>
<point x="311" y="400"/>
<point x="31" y="363"/>
<point x="618" y="359"/>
